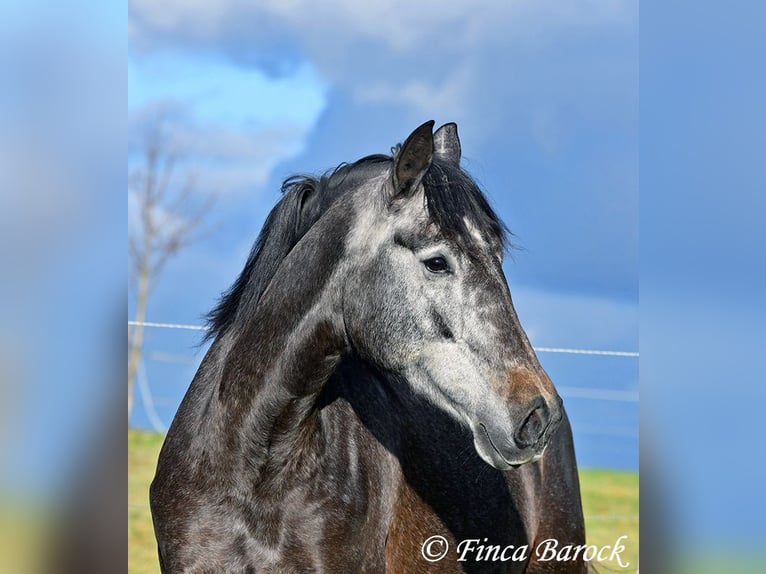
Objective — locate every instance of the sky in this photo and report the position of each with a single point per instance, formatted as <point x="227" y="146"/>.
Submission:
<point x="545" y="95"/>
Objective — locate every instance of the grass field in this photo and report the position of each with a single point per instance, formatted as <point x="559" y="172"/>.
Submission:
<point x="610" y="501"/>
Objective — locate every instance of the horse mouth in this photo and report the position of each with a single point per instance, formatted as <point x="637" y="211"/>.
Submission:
<point x="502" y="462"/>
<point x="492" y="444"/>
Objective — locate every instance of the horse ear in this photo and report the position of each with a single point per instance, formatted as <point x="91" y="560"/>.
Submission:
<point x="447" y="144"/>
<point x="414" y="159"/>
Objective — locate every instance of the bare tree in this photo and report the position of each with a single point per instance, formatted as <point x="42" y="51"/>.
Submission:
<point x="167" y="214"/>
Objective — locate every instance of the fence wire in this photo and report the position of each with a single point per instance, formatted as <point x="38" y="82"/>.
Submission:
<point x="601" y="352"/>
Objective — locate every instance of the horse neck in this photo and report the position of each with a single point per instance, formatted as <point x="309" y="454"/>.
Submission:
<point x="280" y="355"/>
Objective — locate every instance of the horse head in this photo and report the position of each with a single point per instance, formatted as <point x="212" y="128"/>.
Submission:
<point x="424" y="297"/>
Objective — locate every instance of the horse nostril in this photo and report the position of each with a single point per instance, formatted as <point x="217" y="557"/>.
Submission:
<point x="532" y="428"/>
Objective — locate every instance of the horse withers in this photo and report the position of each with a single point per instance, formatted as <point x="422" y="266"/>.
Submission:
<point x="370" y="402"/>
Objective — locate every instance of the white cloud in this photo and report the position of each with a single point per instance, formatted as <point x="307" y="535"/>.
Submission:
<point x="222" y="161"/>
<point x="228" y="126"/>
<point x="337" y="25"/>
<point x="449" y="96"/>
<point x="435" y="57"/>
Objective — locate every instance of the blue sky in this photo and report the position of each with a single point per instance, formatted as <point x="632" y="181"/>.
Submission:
<point x="546" y="98"/>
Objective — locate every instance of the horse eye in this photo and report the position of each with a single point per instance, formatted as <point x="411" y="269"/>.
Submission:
<point x="436" y="265"/>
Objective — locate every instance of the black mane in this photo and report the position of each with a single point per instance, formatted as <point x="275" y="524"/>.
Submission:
<point x="451" y="197"/>
<point x="283" y="228"/>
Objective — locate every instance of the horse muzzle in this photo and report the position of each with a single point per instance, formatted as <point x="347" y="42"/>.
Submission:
<point x="510" y="443"/>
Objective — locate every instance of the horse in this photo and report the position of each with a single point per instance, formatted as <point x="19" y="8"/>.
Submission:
<point x="370" y="401"/>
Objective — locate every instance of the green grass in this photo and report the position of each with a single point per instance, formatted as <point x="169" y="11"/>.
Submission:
<point x="143" y="449"/>
<point x="610" y="501"/>
<point x="703" y="562"/>
<point x="610" y="504"/>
